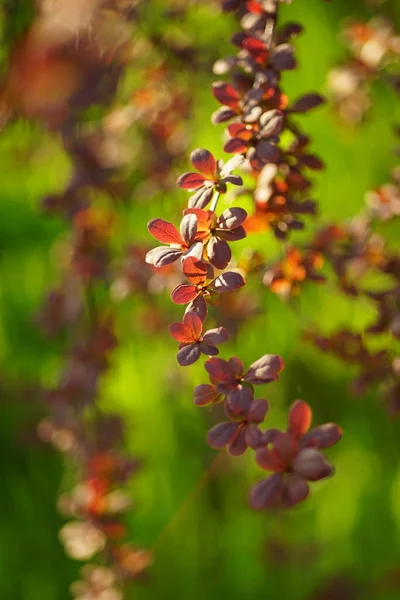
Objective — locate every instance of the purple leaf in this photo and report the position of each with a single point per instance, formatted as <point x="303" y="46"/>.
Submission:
<point x="296" y="490"/>
<point x="205" y="394"/>
<point x="216" y="336"/>
<point x="323" y="436"/>
<point x="161" y="256"/>
<point x="222" y="434"/>
<point x="267" y="493"/>
<point x="222" y="114"/>
<point x="258" y="410"/>
<point x="188" y="228"/>
<point x="307" y="102"/>
<point x="239" y="445"/>
<point x="267" y="151"/>
<point x="232" y="218"/>
<point x="198" y="306"/>
<point x="312" y="465"/>
<point x="239" y="400"/>
<point x="232" y="164"/>
<point x="265" y="369"/>
<point x="188" y="355"/>
<point x="219" y="253"/>
<point x="201" y="198"/>
<point x="228" y="282"/>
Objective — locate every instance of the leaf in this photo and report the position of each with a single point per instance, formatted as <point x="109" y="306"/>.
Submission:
<point x="239" y="445"/>
<point x="228" y="282"/>
<point x="220" y="370"/>
<point x="164" y="232"/>
<point x="216" y="336"/>
<point x="270" y="460"/>
<point x="180" y="334"/>
<point x="195" y="270"/>
<point x="239" y="400"/>
<point x="236" y="145"/>
<point x="299" y="418"/>
<point x="190" y="181"/>
<point x="201" y="198"/>
<point x="222" y="434"/>
<point x="307" y="102"/>
<point x="161" y="256"/>
<point x="265" y="369"/>
<point x="267" y="493"/>
<point x="312" y="465"/>
<point x="208" y="349"/>
<point x="323" y="436"/>
<point x="223" y="114"/>
<point x="188" y="355"/>
<point x="232" y="218"/>
<point x="267" y="151"/>
<point x="296" y="490"/>
<point x="205" y="394"/>
<point x="219" y="253"/>
<point x="232" y="164"/>
<point x="282" y="58"/>
<point x="225" y="94"/>
<point x="188" y="228"/>
<point x="198" y="306"/>
<point x="258" y="411"/>
<point x="193" y="325"/>
<point x="204" y="162"/>
<point x="184" y="293"/>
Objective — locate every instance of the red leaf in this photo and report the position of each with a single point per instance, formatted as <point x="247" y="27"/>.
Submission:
<point x="299" y="418"/>
<point x="190" y="181"/>
<point x="225" y="94"/>
<point x="195" y="270"/>
<point x="236" y="146"/>
<point x="180" y="333"/>
<point x="164" y="231"/>
<point x="193" y="326"/>
<point x="204" y="162"/>
<point x="184" y="293"/>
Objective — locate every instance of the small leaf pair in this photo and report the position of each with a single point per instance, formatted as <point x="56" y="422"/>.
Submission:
<point x="192" y="342"/>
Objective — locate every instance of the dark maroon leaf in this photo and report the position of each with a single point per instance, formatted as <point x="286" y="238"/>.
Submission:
<point x="239" y="400"/>
<point x="198" y="306"/>
<point x="228" y="282"/>
<point x="266" y="151"/>
<point x="188" y="355"/>
<point x="219" y="253"/>
<point x="222" y="114"/>
<point x="220" y="370"/>
<point x="231" y="218"/>
<point x="265" y="369"/>
<point x="161" y="256"/>
<point x="312" y="162"/>
<point x="296" y="490"/>
<point x="254" y="437"/>
<point x="233" y="179"/>
<point x="208" y="349"/>
<point x="323" y="436"/>
<point x="258" y="410"/>
<point x="282" y="58"/>
<point x="307" y="102"/>
<point x="222" y="434"/>
<point x="205" y="394"/>
<point x="239" y="445"/>
<point x="312" y="465"/>
<point x="237" y="366"/>
<point x="267" y="493"/>
<point x="216" y="336"/>
<point x="201" y="198"/>
<point x="271" y="123"/>
<point x="188" y="228"/>
<point x="233" y="236"/>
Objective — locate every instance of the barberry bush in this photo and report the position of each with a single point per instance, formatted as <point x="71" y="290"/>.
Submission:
<point x="200" y="298"/>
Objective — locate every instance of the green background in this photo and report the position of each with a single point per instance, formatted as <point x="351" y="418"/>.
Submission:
<point x="207" y="542"/>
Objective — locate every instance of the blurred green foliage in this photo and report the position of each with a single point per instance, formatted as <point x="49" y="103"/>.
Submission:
<point x="206" y="541"/>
